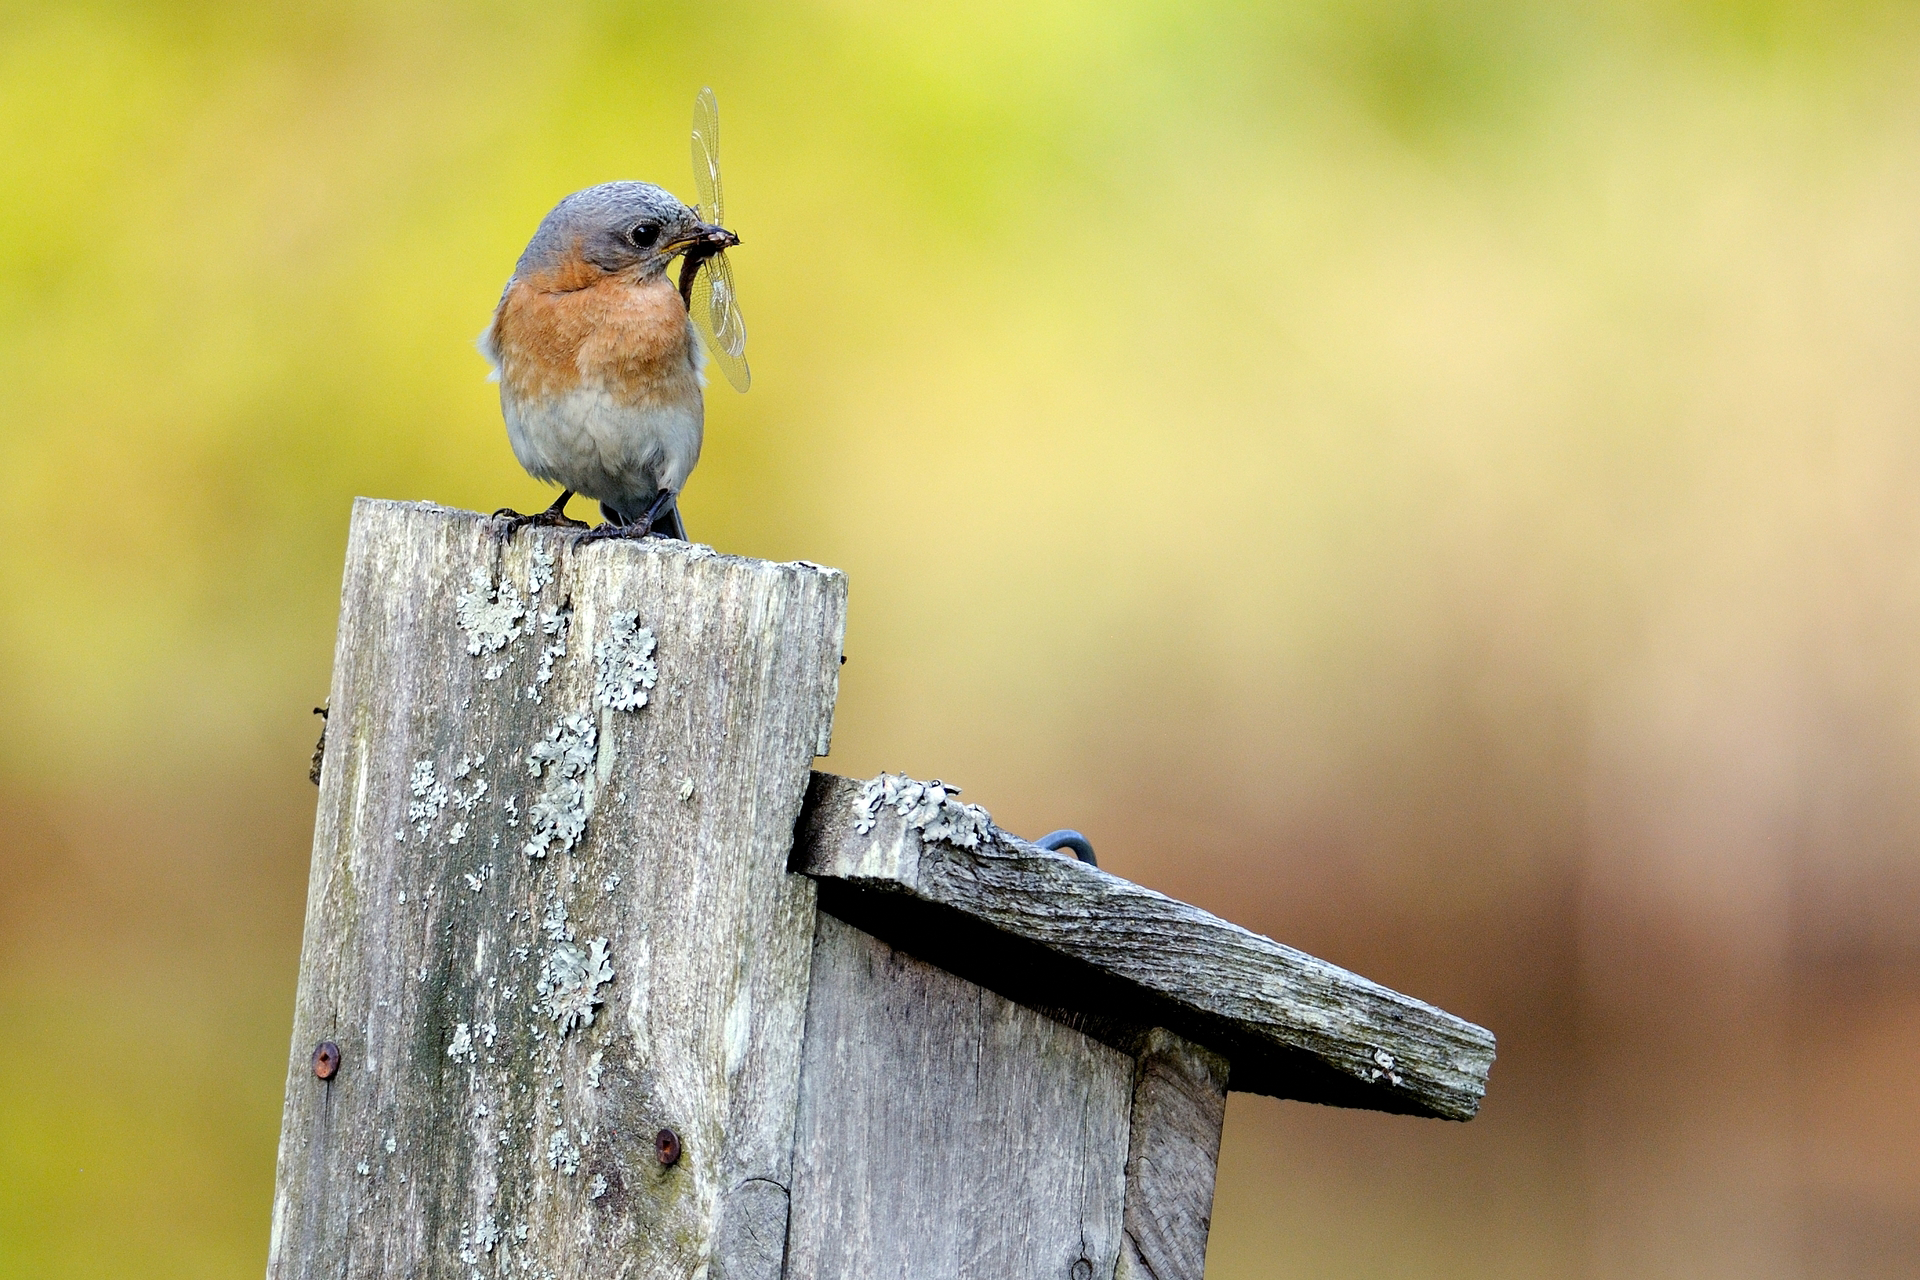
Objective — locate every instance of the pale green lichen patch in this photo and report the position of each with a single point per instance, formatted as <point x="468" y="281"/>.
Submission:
<point x="623" y="664"/>
<point x="562" y="1153"/>
<point x="482" y="1237"/>
<point x="554" y="624"/>
<point x="570" y="982"/>
<point x="1385" y="1067"/>
<point x="465" y="800"/>
<point x="542" y="571"/>
<point x="429" y="797"/>
<point x="564" y="757"/>
<point x="927" y="807"/>
<point x="489" y="614"/>
<point x="555" y="923"/>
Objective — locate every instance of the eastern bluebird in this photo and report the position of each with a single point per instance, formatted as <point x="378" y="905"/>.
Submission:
<point x="599" y="365"/>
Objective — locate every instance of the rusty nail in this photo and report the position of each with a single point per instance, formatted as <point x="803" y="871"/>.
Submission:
<point x="326" y="1059"/>
<point x="666" y="1145"/>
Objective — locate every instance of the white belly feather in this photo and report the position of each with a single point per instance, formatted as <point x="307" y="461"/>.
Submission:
<point x="586" y="441"/>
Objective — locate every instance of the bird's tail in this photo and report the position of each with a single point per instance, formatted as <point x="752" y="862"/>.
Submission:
<point x="671" y="524"/>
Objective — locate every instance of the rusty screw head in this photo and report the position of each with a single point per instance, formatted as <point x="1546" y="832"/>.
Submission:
<point x="666" y="1145"/>
<point x="326" y="1059"/>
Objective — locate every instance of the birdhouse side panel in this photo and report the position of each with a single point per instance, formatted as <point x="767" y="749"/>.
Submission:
<point x="945" y="1131"/>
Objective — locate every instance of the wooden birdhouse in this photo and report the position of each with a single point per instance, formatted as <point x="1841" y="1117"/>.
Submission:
<point x="601" y="979"/>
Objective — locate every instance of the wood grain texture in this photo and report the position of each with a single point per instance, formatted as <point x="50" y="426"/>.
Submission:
<point x="1173" y="1146"/>
<point x="1116" y="958"/>
<point x="515" y="1028"/>
<point x="947" y="1133"/>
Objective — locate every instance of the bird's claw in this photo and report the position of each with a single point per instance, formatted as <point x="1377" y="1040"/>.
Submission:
<point x="638" y="528"/>
<point x="554" y="517"/>
<point x="609" y="532"/>
<point x="513" y="520"/>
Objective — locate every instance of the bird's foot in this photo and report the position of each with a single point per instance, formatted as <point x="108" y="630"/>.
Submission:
<point x="610" y="531"/>
<point x="554" y="517"/>
<point x="662" y="509"/>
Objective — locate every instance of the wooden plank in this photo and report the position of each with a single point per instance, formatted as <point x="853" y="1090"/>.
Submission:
<point x="948" y="1133"/>
<point x="548" y="912"/>
<point x="1055" y="933"/>
<point x="1173" y="1146"/>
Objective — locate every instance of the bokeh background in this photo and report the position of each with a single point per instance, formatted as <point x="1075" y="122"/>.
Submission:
<point x="1430" y="481"/>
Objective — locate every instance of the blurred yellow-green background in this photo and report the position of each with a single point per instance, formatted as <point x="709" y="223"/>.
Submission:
<point x="1432" y="482"/>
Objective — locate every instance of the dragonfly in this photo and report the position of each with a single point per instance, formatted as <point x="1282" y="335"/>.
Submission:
<point x="706" y="280"/>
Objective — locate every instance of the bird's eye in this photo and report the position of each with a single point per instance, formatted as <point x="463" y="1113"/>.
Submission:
<point x="644" y="235"/>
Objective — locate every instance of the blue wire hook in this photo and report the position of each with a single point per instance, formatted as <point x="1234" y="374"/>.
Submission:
<point x="1068" y="838"/>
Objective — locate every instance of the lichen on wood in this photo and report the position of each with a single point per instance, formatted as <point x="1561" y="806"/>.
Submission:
<point x="570" y="982"/>
<point x="931" y="808"/>
<point x="623" y="663"/>
<point x="557" y="817"/>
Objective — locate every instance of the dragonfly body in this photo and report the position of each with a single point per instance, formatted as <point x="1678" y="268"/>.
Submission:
<point x="598" y="355"/>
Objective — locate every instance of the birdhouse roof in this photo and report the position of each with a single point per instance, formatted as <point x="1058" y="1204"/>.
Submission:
<point x="911" y="864"/>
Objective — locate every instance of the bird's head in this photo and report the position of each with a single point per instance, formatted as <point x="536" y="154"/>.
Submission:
<point x="619" y="227"/>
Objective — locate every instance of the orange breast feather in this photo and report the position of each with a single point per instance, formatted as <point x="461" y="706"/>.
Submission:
<point x="576" y="326"/>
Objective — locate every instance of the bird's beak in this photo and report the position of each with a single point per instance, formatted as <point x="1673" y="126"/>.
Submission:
<point x="706" y="239"/>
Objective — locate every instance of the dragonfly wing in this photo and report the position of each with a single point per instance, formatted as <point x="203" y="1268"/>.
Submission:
<point x="728" y="325"/>
<point x="706" y="158"/>
<point x="716" y="311"/>
<point x="716" y="314"/>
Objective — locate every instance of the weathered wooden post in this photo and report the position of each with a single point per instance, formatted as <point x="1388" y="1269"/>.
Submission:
<point x="610" y="984"/>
